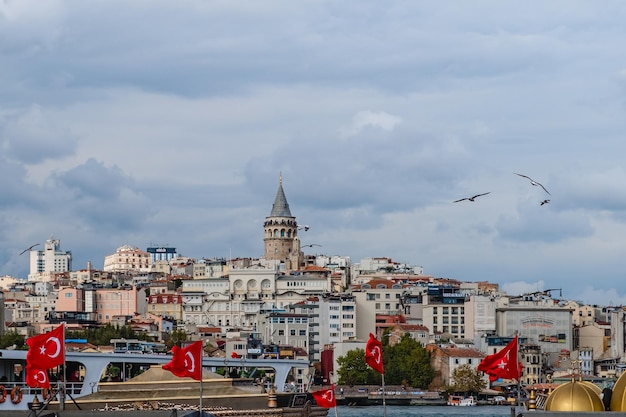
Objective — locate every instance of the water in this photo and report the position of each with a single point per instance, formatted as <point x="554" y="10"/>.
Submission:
<point x="422" y="410"/>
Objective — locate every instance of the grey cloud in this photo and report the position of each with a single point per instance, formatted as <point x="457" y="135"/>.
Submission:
<point x="93" y="179"/>
<point x="33" y="136"/>
<point x="539" y="224"/>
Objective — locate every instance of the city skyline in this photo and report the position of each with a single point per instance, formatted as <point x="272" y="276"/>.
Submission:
<point x="171" y="123"/>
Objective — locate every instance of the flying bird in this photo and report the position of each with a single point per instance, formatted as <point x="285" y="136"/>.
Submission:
<point x="29" y="248"/>
<point x="533" y="182"/>
<point x="544" y="202"/>
<point x="311" y="245"/>
<point x="471" y="198"/>
<point x="305" y="227"/>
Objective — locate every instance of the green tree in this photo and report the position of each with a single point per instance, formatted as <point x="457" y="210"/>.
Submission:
<point x="467" y="379"/>
<point x="407" y="362"/>
<point x="175" y="338"/>
<point x="10" y="338"/>
<point x="354" y="371"/>
<point x="103" y="335"/>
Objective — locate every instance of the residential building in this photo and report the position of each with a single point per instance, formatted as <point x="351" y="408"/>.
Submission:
<point x="417" y="332"/>
<point x="444" y="361"/>
<point x="119" y="302"/>
<point x="166" y="305"/>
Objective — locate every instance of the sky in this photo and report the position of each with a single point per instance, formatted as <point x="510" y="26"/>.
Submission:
<point x="154" y="122"/>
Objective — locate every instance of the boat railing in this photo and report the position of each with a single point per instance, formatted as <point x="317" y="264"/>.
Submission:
<point x="73" y="388"/>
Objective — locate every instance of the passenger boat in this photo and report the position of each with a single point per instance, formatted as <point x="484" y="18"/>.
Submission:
<point x="87" y="374"/>
<point x="461" y="401"/>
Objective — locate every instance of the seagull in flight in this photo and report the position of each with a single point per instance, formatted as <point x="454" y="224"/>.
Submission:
<point x="544" y="202"/>
<point x="311" y="245"/>
<point x="533" y="182"/>
<point x="471" y="198"/>
<point x="29" y="248"/>
<point x="305" y="227"/>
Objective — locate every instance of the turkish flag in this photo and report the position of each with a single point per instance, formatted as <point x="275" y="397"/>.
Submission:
<point x="37" y="378"/>
<point x="235" y="355"/>
<point x="186" y="361"/>
<point x="325" y="397"/>
<point x="46" y="350"/>
<point x="503" y="364"/>
<point x="374" y="354"/>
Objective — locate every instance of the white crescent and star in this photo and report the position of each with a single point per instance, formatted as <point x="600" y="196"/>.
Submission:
<point x="41" y="376"/>
<point x="376" y="354"/>
<point x="328" y="395"/>
<point x="57" y="342"/>
<point x="192" y="360"/>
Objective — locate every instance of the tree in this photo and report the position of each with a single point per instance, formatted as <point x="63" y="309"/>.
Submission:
<point x="175" y="338"/>
<point x="11" y="338"/>
<point x="103" y="335"/>
<point x="467" y="379"/>
<point x="407" y="362"/>
<point x="354" y="371"/>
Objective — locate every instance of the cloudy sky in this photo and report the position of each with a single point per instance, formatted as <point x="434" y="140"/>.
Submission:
<point x="169" y="123"/>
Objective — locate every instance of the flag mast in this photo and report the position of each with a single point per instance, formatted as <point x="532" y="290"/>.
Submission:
<point x="201" y="377"/>
<point x="64" y="385"/>
<point x="519" y="373"/>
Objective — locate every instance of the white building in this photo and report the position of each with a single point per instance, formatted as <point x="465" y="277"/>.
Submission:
<point x="49" y="261"/>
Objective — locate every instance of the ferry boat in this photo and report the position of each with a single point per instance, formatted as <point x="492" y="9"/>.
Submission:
<point x="460" y="401"/>
<point x="87" y="371"/>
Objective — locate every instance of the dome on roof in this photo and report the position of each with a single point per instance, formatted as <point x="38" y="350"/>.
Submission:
<point x="575" y="396"/>
<point x="618" y="396"/>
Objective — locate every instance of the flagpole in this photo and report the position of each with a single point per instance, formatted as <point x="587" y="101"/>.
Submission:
<point x="64" y="385"/>
<point x="201" y="377"/>
<point x="200" y="391"/>
<point x="519" y="382"/>
<point x="384" y="402"/>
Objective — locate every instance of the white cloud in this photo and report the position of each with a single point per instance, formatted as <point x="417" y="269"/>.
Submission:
<point x="366" y="119"/>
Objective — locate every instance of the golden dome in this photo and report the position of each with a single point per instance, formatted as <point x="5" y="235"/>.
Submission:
<point x="575" y="396"/>
<point x="593" y="386"/>
<point x="618" y="396"/>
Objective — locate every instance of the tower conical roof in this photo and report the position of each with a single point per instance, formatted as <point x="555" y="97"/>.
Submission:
<point x="280" y="207"/>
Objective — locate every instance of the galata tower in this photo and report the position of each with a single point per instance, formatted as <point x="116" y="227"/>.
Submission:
<point x="281" y="233"/>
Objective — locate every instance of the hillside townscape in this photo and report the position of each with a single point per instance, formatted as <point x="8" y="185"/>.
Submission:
<point x="288" y="304"/>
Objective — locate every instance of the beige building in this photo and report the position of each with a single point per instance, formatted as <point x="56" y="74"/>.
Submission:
<point x="416" y="331"/>
<point x="127" y="259"/>
<point x="444" y="360"/>
<point x="594" y="337"/>
<point x="168" y="305"/>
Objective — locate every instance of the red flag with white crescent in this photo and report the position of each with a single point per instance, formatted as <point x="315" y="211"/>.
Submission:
<point x="325" y="397"/>
<point x="37" y="378"/>
<point x="46" y="350"/>
<point x="374" y="354"/>
<point x="503" y="364"/>
<point x="186" y="361"/>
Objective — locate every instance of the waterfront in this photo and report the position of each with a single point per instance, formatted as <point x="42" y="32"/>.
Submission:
<point x="426" y="411"/>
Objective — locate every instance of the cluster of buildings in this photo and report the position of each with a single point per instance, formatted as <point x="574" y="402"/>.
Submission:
<point x="288" y="304"/>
